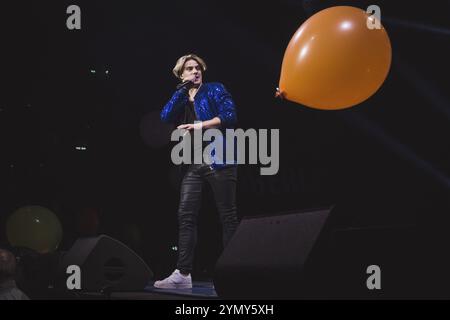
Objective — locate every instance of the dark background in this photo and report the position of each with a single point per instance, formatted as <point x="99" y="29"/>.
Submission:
<point x="385" y="163"/>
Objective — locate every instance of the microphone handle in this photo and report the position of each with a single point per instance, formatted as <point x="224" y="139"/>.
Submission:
<point x="187" y="84"/>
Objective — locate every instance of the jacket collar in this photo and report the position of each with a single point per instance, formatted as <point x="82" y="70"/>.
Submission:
<point x="202" y="88"/>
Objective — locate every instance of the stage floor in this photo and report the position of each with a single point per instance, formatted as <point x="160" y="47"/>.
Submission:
<point x="200" y="291"/>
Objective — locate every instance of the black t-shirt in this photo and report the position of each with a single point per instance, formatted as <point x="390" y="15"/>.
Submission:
<point x="189" y="113"/>
<point x="190" y="117"/>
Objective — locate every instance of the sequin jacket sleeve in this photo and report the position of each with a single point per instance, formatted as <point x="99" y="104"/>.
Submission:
<point x="175" y="106"/>
<point x="225" y="106"/>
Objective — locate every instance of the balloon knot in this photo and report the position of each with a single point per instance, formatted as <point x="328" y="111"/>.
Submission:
<point x="279" y="94"/>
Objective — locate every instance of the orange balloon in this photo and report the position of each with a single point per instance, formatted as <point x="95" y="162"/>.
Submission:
<point x="334" y="60"/>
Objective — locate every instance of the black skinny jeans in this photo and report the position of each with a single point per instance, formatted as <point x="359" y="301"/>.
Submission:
<point x="223" y="183"/>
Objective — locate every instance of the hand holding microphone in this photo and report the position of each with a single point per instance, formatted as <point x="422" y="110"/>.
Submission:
<point x="187" y="83"/>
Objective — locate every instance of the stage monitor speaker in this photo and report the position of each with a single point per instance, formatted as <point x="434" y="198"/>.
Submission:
<point x="106" y="264"/>
<point x="269" y="256"/>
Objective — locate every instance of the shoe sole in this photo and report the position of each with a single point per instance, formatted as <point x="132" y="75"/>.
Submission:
<point x="174" y="287"/>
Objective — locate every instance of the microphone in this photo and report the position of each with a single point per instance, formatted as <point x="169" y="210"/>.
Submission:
<point x="186" y="84"/>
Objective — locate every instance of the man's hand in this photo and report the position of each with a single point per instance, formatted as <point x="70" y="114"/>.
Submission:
<point x="187" y="82"/>
<point x="213" y="123"/>
<point x="191" y="126"/>
<point x="190" y="77"/>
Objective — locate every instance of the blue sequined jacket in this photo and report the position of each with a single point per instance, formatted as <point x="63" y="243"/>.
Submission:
<point x="211" y="100"/>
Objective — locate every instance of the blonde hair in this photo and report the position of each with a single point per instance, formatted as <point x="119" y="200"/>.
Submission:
<point x="179" y="66"/>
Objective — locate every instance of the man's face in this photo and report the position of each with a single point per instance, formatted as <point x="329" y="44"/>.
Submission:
<point x="192" y="71"/>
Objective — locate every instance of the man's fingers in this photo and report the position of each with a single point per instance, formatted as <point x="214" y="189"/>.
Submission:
<point x="187" y="126"/>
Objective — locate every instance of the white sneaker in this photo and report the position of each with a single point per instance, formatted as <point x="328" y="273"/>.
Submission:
<point x="175" y="281"/>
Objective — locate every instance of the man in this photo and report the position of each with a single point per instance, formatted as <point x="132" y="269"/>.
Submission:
<point x="197" y="105"/>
